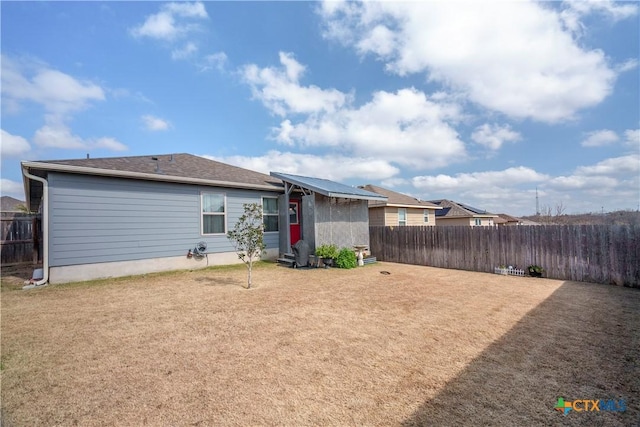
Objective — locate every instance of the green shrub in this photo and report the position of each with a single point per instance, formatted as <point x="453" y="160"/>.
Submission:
<point x="327" y="251"/>
<point x="346" y="258"/>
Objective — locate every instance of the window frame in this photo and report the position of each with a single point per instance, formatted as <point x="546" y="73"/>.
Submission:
<point x="203" y="213"/>
<point x="478" y="221"/>
<point x="276" y="214"/>
<point x="402" y="222"/>
<point x="425" y="216"/>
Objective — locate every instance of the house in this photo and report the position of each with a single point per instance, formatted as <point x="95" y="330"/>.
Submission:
<point x="119" y="216"/>
<point x="324" y="212"/>
<point x="9" y="204"/>
<point x="453" y="213"/>
<point x="507" y="220"/>
<point x="399" y="209"/>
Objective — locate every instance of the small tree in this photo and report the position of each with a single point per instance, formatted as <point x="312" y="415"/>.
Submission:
<point x="247" y="236"/>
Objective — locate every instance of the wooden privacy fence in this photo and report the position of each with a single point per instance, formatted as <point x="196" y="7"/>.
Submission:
<point x="20" y="239"/>
<point x="591" y="253"/>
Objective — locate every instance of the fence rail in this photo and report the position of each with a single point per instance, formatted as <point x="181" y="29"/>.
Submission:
<point x="20" y="238"/>
<point x="590" y="253"/>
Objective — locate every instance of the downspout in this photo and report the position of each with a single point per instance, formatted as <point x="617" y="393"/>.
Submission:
<point x="45" y="229"/>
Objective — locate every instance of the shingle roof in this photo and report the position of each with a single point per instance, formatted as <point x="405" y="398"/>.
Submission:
<point x="181" y="168"/>
<point x="397" y="199"/>
<point x="180" y="165"/>
<point x="9" y="204"/>
<point x="328" y="188"/>
<point x="509" y="218"/>
<point x="458" y="210"/>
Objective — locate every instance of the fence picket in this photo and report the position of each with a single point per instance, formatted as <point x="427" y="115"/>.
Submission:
<point x="595" y="253"/>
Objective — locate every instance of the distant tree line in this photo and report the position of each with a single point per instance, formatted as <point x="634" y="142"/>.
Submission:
<point x="557" y="215"/>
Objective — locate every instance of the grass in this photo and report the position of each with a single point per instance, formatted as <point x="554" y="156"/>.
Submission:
<point x="418" y="346"/>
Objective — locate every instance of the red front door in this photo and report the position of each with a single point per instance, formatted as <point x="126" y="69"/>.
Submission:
<point x="294" y="220"/>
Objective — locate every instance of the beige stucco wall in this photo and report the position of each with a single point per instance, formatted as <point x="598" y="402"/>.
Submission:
<point x="415" y="216"/>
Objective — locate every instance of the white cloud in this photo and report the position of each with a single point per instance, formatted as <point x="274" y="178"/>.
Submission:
<point x="12" y="188"/>
<point x="512" y="57"/>
<point x="155" y="123"/>
<point x="58" y="135"/>
<point x="625" y="165"/>
<point x="280" y="90"/>
<point x="216" y="60"/>
<point x="405" y="127"/>
<point x="600" y="138"/>
<point x="334" y="167"/>
<point x="475" y="181"/>
<point x="493" y="136"/>
<point x="174" y="20"/>
<point x="632" y="138"/>
<point x="13" y="145"/>
<point x="184" y="52"/>
<point x="59" y="93"/>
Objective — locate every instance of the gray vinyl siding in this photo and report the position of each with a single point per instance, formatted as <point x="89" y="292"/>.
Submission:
<point x="98" y="219"/>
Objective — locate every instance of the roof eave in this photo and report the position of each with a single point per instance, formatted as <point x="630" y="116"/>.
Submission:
<point x="146" y="176"/>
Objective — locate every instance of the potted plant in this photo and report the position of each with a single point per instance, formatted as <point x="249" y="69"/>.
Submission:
<point x="535" y="270"/>
<point x="327" y="253"/>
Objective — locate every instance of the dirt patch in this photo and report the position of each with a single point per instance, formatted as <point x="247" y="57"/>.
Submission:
<point x="417" y="346"/>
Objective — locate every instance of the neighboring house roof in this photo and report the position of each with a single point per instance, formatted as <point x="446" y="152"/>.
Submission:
<point x="451" y="209"/>
<point x="9" y="204"/>
<point x="328" y="188"/>
<point x="177" y="168"/>
<point x="397" y="199"/>
<point x="508" y="218"/>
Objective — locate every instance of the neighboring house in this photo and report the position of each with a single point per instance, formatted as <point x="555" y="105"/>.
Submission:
<point x="453" y="213"/>
<point x="507" y="220"/>
<point x="130" y="215"/>
<point x="109" y="217"/>
<point x="9" y="204"/>
<point x="399" y="209"/>
<point x="324" y="212"/>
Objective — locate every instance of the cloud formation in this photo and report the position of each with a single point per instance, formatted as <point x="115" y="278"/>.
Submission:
<point x="153" y="123"/>
<point x="492" y="136"/>
<point x="173" y="21"/>
<point x="516" y="58"/>
<point x="407" y="127"/>
<point x="332" y="167"/>
<point x="13" y="145"/>
<point x="600" y="138"/>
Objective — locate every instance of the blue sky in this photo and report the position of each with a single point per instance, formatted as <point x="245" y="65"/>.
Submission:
<point x="478" y="102"/>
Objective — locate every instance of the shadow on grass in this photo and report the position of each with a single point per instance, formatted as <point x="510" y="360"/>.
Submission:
<point x="583" y="342"/>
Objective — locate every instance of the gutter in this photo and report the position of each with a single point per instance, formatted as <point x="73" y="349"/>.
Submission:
<point x="45" y="229"/>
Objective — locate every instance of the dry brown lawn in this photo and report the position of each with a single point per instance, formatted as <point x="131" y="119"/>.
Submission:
<point x="418" y="346"/>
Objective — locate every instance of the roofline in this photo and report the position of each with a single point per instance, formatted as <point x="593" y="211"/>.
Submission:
<point x="287" y="178"/>
<point x="403" y="205"/>
<point x="53" y="167"/>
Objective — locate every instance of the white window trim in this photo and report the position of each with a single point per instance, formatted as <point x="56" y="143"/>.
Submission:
<point x="426" y="216"/>
<point x="202" y="214"/>
<point x="277" y="214"/>
<point x="403" y="223"/>
<point x="478" y="221"/>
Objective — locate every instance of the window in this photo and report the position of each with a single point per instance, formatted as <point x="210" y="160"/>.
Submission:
<point x="213" y="213"/>
<point x="478" y="221"/>
<point x="426" y="216"/>
<point x="270" y="213"/>
<point x="402" y="216"/>
<point x="293" y="213"/>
